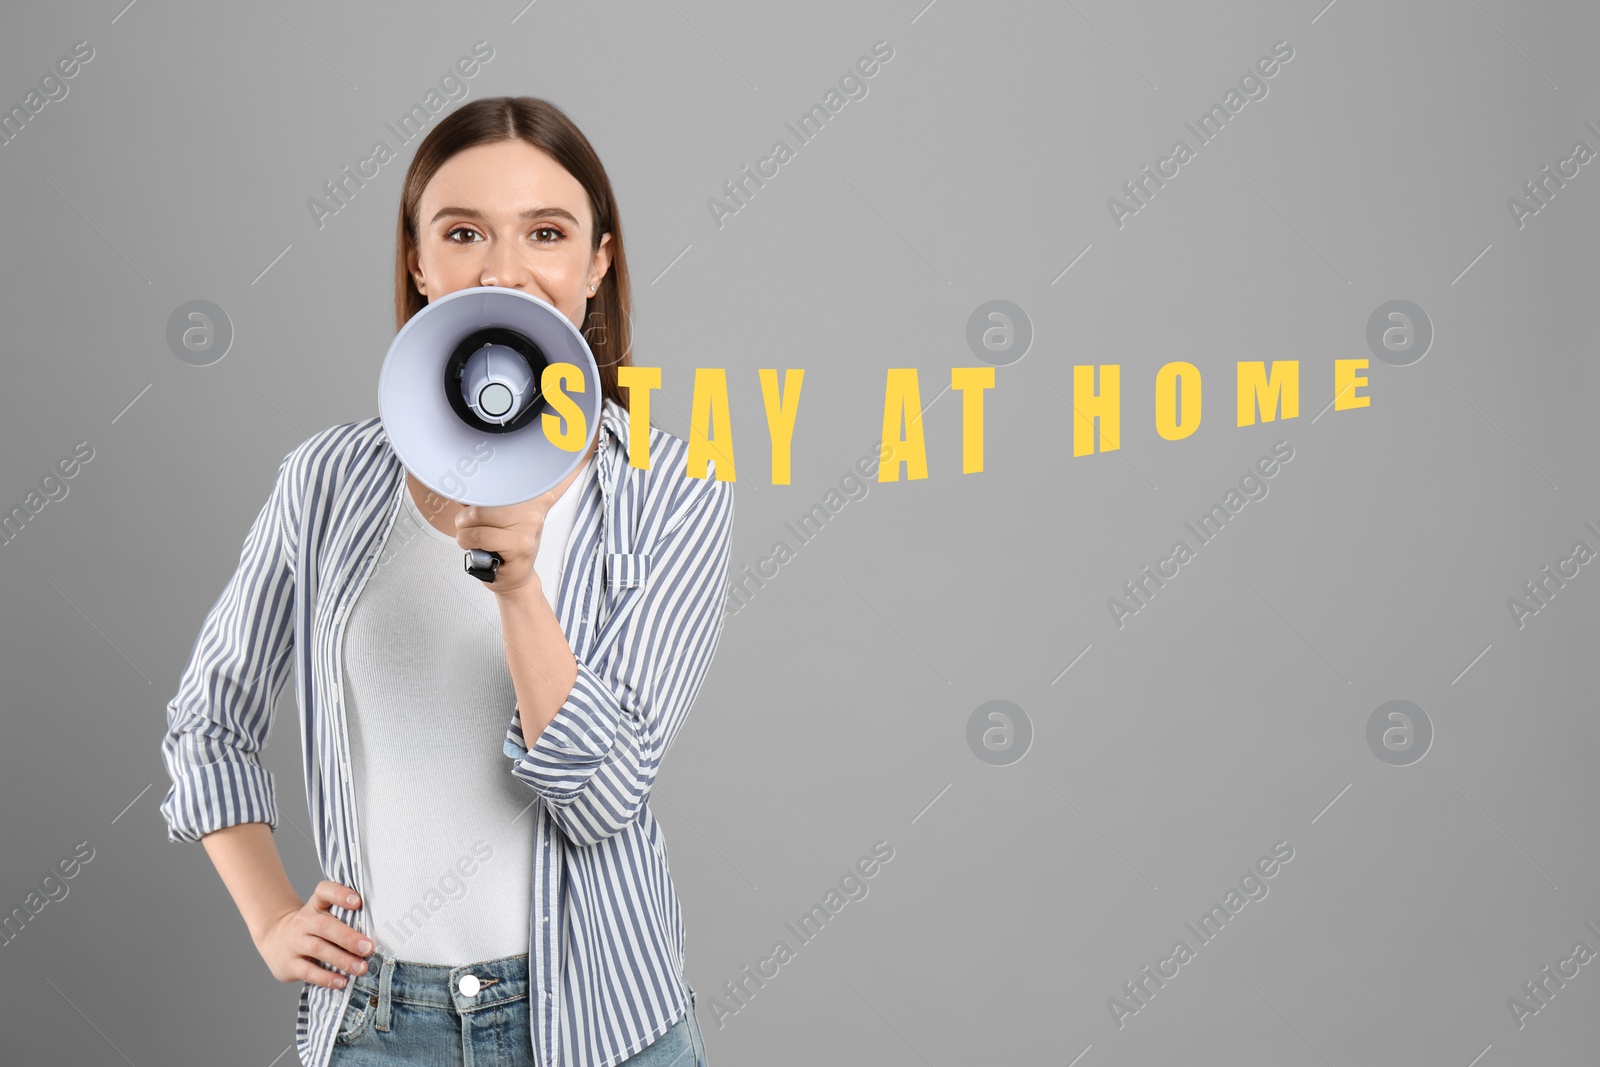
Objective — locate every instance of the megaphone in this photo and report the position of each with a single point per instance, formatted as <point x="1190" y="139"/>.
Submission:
<point x="469" y="371"/>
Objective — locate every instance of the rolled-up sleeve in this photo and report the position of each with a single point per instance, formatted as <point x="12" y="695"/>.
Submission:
<point x="218" y="721"/>
<point x="595" y="762"/>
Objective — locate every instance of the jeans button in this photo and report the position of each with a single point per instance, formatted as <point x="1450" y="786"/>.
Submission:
<point x="468" y="985"/>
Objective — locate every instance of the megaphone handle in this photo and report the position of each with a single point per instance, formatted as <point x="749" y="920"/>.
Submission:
<point x="482" y="565"/>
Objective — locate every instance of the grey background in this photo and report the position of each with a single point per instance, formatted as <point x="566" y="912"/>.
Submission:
<point x="1228" y="715"/>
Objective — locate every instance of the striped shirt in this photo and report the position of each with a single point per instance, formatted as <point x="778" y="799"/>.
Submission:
<point x="641" y="605"/>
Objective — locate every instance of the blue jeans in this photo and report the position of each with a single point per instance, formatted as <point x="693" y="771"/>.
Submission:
<point x="402" y="1012"/>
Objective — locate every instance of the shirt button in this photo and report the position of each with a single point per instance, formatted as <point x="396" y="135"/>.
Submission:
<point x="468" y="985"/>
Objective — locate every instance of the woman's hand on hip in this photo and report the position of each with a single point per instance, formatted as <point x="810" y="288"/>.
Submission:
<point x="297" y="939"/>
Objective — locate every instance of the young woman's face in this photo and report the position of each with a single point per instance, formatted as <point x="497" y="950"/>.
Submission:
<point x="508" y="214"/>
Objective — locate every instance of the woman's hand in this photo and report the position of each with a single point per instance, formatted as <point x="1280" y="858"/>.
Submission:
<point x="513" y="531"/>
<point x="293" y="942"/>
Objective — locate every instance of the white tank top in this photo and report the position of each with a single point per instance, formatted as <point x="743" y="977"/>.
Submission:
<point x="428" y="698"/>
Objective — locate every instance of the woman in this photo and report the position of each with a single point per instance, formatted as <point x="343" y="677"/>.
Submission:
<point x="488" y="885"/>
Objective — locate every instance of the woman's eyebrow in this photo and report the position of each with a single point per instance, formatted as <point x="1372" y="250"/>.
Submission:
<point x="529" y="215"/>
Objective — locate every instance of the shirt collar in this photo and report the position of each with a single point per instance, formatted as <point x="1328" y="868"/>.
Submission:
<point x="614" y="420"/>
<point x="614" y="425"/>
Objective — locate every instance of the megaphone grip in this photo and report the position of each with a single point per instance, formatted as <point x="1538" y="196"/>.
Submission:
<point x="482" y="565"/>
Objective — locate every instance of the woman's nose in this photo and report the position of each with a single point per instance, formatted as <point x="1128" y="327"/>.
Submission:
<point x="506" y="270"/>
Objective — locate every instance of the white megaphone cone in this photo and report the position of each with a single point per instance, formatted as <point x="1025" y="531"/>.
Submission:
<point x="466" y="377"/>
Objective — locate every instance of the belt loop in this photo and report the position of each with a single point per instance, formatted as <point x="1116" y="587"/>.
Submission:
<point x="385" y="979"/>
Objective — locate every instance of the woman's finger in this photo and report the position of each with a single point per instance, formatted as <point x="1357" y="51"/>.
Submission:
<point x="331" y="953"/>
<point x="310" y="972"/>
<point x="327" y="894"/>
<point x="505" y="542"/>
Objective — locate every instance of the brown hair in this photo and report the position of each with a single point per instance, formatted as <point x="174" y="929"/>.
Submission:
<point x="546" y="127"/>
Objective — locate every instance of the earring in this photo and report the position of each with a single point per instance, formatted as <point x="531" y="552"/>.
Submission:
<point x="591" y="288"/>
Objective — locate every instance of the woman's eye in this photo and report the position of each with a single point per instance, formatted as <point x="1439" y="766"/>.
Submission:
<point x="542" y="235"/>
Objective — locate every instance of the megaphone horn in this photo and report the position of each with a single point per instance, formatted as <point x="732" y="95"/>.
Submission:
<point x="465" y="378"/>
